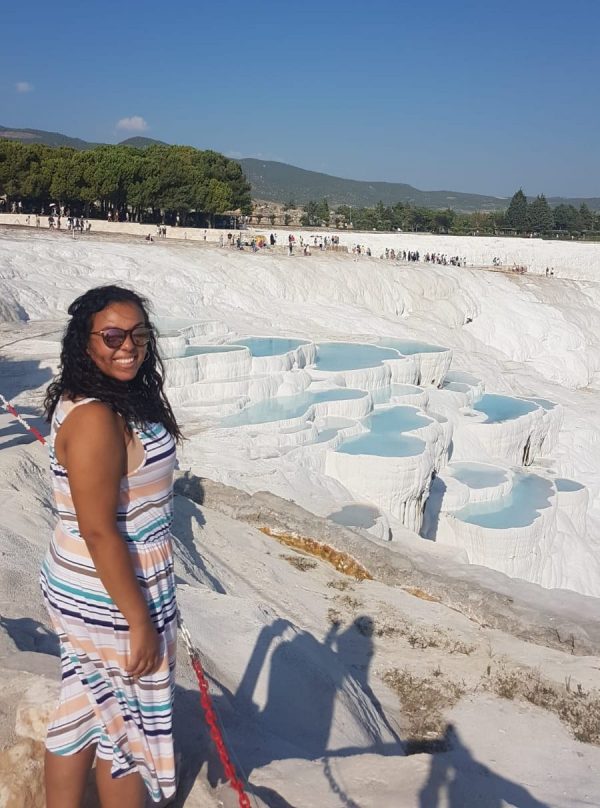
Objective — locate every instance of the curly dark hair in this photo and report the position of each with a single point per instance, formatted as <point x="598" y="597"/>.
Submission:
<point x="139" y="401"/>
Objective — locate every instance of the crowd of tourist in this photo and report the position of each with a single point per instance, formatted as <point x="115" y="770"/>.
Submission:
<point x="428" y="258"/>
<point x="239" y="240"/>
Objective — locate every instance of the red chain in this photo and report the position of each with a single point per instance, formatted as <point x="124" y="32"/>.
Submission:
<point x="32" y="429"/>
<point x="215" y="734"/>
<point x="205" y="699"/>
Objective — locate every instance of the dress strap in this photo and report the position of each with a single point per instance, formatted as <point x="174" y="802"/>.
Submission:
<point x="63" y="409"/>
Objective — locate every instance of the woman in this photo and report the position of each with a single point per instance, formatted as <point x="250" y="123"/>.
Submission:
<point x="108" y="576"/>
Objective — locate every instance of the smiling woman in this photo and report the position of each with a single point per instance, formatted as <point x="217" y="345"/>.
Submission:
<point x="124" y="348"/>
<point x="108" y="575"/>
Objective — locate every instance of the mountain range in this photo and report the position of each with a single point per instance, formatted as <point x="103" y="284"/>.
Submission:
<point x="279" y="182"/>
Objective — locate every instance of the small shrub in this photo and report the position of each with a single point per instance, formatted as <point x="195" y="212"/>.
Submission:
<point x="301" y="563"/>
<point x="341" y="585"/>
<point x="578" y="709"/>
<point x="424" y="700"/>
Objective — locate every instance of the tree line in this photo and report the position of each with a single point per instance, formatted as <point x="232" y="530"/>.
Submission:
<point x="520" y="217"/>
<point x="158" y="183"/>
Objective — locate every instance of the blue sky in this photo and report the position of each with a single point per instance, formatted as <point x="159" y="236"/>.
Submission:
<point x="467" y="96"/>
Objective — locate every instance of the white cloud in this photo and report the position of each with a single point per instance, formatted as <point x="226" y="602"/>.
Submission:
<point x="23" y="87"/>
<point x="135" y="123"/>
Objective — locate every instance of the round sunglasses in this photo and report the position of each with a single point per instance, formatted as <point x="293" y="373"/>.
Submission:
<point x="115" y="337"/>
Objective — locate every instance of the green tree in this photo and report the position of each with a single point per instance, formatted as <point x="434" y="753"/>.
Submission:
<point x="586" y="217"/>
<point x="541" y="219"/>
<point x="566" y="217"/>
<point x="315" y="214"/>
<point x="442" y="220"/>
<point x="516" y="215"/>
<point x="323" y="212"/>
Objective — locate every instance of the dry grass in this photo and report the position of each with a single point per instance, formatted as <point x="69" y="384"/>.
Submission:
<point x="348" y="602"/>
<point x="300" y="562"/>
<point x="418" y="637"/>
<point x="340" y="584"/>
<point x="577" y="708"/>
<point x="424" y="700"/>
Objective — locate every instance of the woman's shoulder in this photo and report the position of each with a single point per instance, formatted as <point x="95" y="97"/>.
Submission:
<point x="88" y="413"/>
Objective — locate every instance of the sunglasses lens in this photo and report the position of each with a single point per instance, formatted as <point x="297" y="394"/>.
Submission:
<point x="141" y="336"/>
<point x="113" y="337"/>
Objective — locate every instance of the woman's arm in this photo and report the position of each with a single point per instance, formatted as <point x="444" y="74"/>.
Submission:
<point x="91" y="446"/>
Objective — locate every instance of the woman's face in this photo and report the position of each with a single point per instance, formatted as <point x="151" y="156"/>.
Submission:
<point x="121" y="363"/>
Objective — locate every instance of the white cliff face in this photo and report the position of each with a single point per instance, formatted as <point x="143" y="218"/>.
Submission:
<point x="434" y="338"/>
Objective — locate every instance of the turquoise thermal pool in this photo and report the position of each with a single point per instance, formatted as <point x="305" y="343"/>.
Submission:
<point x="337" y="356"/>
<point x="503" y="408"/>
<point x="197" y="350"/>
<point x="385" y="437"/>
<point x="361" y="516"/>
<point x="543" y="403"/>
<point x="562" y="484"/>
<point x="477" y="475"/>
<point x="384" y="394"/>
<point x="456" y="387"/>
<point x="529" y="495"/>
<point x="172" y="324"/>
<point x="270" y="346"/>
<point x="285" y="408"/>
<point x="462" y="377"/>
<point x="408" y="347"/>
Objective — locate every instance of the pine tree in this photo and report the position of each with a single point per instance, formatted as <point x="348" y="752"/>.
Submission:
<point x="541" y="219"/>
<point x="586" y="217"/>
<point x="516" y="215"/>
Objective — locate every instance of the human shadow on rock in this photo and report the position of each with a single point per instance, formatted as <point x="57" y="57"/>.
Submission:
<point x="187" y="516"/>
<point x="457" y="780"/>
<point x="30" y="635"/>
<point x="304" y="678"/>
<point x="19" y="375"/>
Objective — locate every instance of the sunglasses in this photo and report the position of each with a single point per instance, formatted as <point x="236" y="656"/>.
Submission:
<point x="115" y="337"/>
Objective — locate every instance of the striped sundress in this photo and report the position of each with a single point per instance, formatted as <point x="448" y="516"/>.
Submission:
<point x="130" y="721"/>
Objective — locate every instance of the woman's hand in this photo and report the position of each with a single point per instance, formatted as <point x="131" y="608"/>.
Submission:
<point x="144" y="650"/>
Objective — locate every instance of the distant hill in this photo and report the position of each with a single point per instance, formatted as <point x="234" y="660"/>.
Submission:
<point x="47" y="138"/>
<point x="142" y="142"/>
<point x="56" y="139"/>
<point x="280" y="182"/>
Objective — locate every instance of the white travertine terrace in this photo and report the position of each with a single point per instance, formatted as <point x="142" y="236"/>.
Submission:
<point x="520" y="551"/>
<point x="171" y="344"/>
<point x="364" y="378"/>
<point x="573" y="499"/>
<point x="433" y="367"/>
<point x="300" y="356"/>
<point x="432" y="361"/>
<point x="225" y="365"/>
<point x="397" y="481"/>
<point x="289" y="406"/>
<point x="248" y="388"/>
<point x="416" y="485"/>
<point x="515" y="439"/>
<point x="410" y="394"/>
